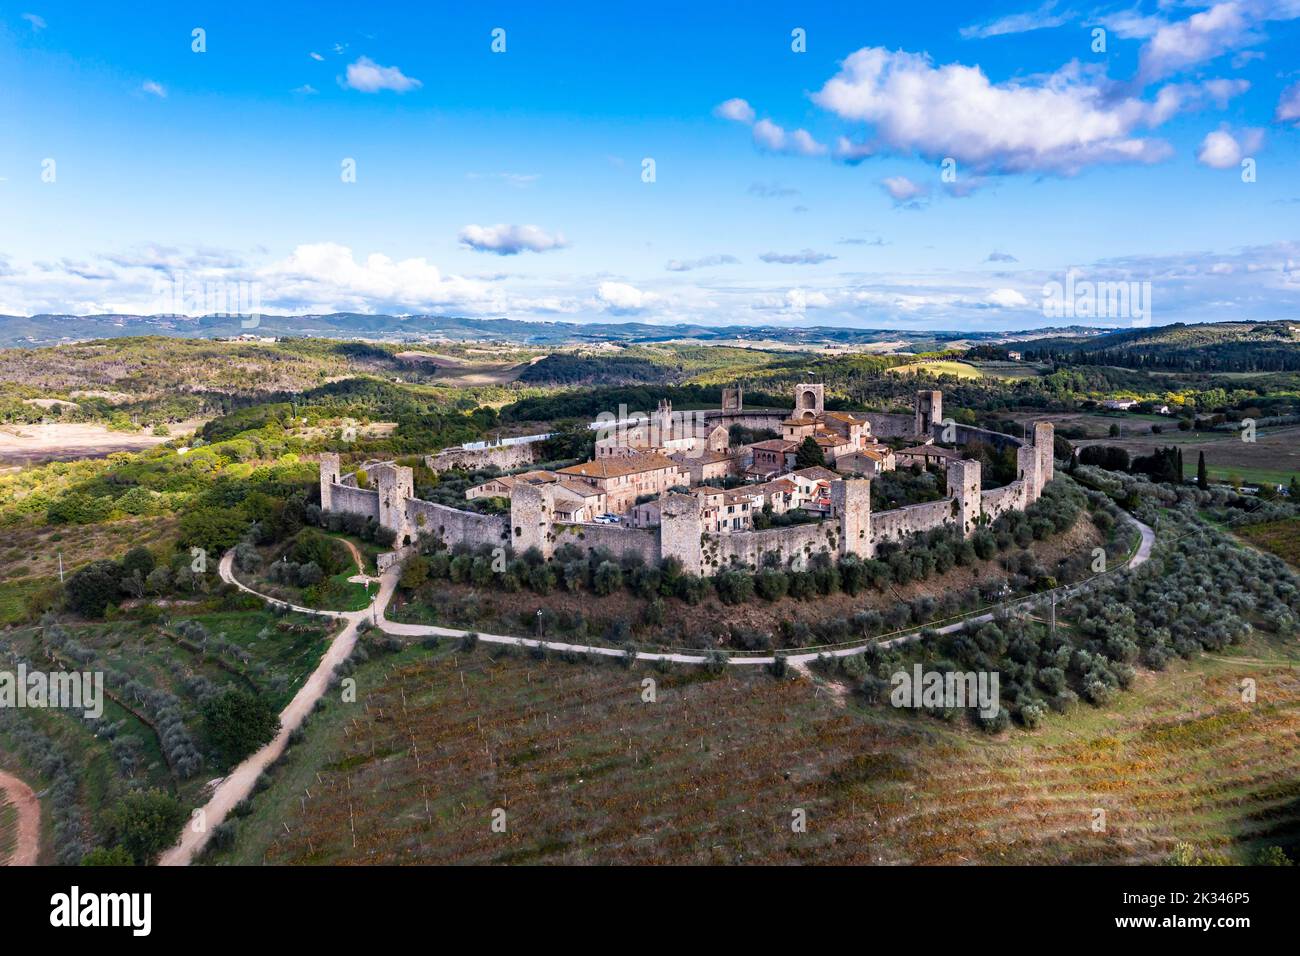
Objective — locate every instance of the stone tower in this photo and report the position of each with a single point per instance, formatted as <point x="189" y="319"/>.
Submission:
<point x="809" y="401"/>
<point x="929" y="412"/>
<point x="681" y="530"/>
<point x="396" y="485"/>
<point x="733" y="399"/>
<point x="851" y="503"/>
<point x="532" y="513"/>
<point x="329" y="476"/>
<point x="1045" y="442"/>
<point x="1028" y="470"/>
<point x="662" y="429"/>
<point x="964" y="489"/>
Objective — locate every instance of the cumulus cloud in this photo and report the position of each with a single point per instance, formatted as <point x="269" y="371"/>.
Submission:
<point x="1288" y="106"/>
<point x="506" y="240"/>
<point x="623" y="299"/>
<point x="326" y="275"/>
<point x="1201" y="37"/>
<point x="776" y="139"/>
<point x="735" y="109"/>
<point x="154" y="89"/>
<point x="1001" y="257"/>
<point x="805" y="257"/>
<point x="367" y="76"/>
<point x="316" y="56"/>
<point x="1223" y="149"/>
<point x="1060" y="123"/>
<point x="1006" y="299"/>
<point x="686" y="265"/>
<point x="903" y="191"/>
<point x="1045" y="17"/>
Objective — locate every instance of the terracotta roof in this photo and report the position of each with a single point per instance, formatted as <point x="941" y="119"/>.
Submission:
<point x="534" y="477"/>
<point x="775" y="444"/>
<point x="618" y="467"/>
<point x="846" y="417"/>
<point x="578" y="488"/>
<point x="816" y="473"/>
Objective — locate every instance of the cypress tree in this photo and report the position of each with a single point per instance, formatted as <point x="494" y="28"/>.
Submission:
<point x="1202" y="481"/>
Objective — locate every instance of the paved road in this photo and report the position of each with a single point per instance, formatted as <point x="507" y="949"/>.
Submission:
<point x="239" y="784"/>
<point x="27" y="845"/>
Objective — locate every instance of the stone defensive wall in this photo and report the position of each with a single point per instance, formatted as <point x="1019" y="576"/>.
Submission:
<point x="851" y="527"/>
<point x="504" y="457"/>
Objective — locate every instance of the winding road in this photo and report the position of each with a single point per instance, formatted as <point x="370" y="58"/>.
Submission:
<point x="238" y="785"/>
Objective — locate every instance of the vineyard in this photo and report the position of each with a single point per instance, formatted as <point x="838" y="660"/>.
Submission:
<point x="586" y="771"/>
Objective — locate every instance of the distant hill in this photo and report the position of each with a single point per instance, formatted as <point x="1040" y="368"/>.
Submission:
<point x="1209" y="347"/>
<point x="38" y="330"/>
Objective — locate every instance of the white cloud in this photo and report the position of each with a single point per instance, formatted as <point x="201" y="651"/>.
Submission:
<point x="621" y="298"/>
<point x="1288" y="106"/>
<point x="306" y="90"/>
<point x="1043" y="18"/>
<point x="37" y="21"/>
<point x="1001" y="257"/>
<point x="325" y="275"/>
<point x="316" y="56"/>
<point x="770" y="136"/>
<point x="507" y="240"/>
<point x="367" y="76"/>
<point x="686" y="265"/>
<point x="1059" y="123"/>
<point x="805" y="257"/>
<point x="1209" y="34"/>
<point x="735" y="109"/>
<point x="1222" y="149"/>
<point x="1006" y="299"/>
<point x="902" y="190"/>
<point x="155" y="89"/>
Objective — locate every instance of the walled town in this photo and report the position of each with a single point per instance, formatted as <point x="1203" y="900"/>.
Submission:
<point x="656" y="486"/>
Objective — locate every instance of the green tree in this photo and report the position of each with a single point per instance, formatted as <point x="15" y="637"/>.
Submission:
<point x="1202" y="480"/>
<point x="93" y="588"/>
<point x="146" y="823"/>
<point x="414" y="573"/>
<point x="809" y="454"/>
<point x="139" y="559"/>
<point x="213" y="529"/>
<point x="108" y="856"/>
<point x="239" y="723"/>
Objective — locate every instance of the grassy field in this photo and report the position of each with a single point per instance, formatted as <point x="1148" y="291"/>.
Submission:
<point x="713" y="771"/>
<point x="959" y="369"/>
<point x="1274" y="457"/>
<point x="1278" y="537"/>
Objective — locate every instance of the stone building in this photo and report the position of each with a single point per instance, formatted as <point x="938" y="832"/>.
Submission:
<point x="623" y="480"/>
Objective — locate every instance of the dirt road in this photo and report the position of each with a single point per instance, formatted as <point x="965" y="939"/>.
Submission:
<point x="240" y="782"/>
<point x="28" y="844"/>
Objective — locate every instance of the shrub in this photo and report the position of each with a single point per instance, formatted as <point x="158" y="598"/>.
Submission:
<point x="146" y="823"/>
<point x="239" y="723"/>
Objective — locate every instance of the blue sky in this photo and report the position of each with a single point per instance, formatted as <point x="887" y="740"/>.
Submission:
<point x="801" y="188"/>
